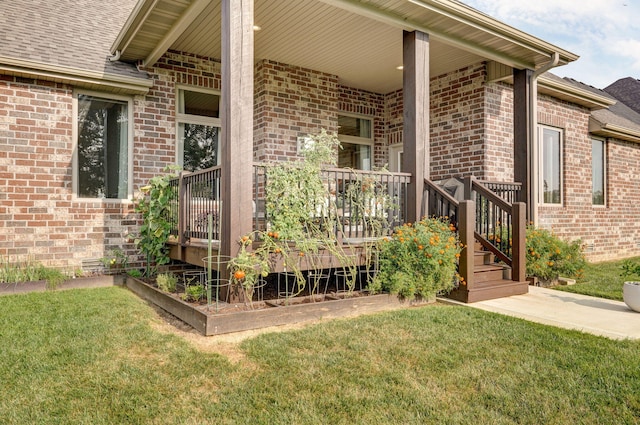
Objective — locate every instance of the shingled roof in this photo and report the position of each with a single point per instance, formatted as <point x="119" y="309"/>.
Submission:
<point x="618" y="120"/>
<point x="73" y="35"/>
<point x="627" y="90"/>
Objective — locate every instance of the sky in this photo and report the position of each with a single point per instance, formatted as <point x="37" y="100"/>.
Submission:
<point x="604" y="33"/>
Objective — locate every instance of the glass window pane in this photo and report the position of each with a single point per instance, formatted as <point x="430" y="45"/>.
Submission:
<point x="200" y="144"/>
<point x="198" y="103"/>
<point x="551" y="178"/>
<point x="103" y="163"/>
<point x="352" y="126"/>
<point x="597" y="171"/>
<point x="355" y="156"/>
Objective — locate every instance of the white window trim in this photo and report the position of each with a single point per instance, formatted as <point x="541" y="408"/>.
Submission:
<point x="541" y="128"/>
<point x="74" y="131"/>
<point x="395" y="150"/>
<point x="604" y="173"/>
<point x="182" y="118"/>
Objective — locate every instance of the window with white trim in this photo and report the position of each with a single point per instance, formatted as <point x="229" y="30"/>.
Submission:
<point x="356" y="137"/>
<point x="102" y="166"/>
<point x="550" y="151"/>
<point x="598" y="171"/>
<point x="198" y="125"/>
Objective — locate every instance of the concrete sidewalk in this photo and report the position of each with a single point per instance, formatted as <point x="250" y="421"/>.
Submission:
<point x="597" y="316"/>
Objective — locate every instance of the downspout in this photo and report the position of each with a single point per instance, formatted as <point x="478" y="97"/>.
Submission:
<point x="114" y="57"/>
<point x="533" y="134"/>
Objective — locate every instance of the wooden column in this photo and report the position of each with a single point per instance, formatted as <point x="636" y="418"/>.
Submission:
<point x="519" y="259"/>
<point x="416" y="118"/>
<point x="466" y="227"/>
<point x="523" y="134"/>
<point x="237" y="123"/>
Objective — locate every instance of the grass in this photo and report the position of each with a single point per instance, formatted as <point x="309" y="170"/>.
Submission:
<point x="602" y="280"/>
<point x="93" y="357"/>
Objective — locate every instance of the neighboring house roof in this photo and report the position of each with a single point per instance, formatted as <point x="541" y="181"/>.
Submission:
<point x="618" y="120"/>
<point x="627" y="90"/>
<point x="66" y="41"/>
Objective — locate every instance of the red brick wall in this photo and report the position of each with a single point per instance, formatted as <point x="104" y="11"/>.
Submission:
<point x="291" y="102"/>
<point x="607" y="232"/>
<point x="39" y="217"/>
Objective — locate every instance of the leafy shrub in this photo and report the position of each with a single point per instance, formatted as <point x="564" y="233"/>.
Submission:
<point x="419" y="259"/>
<point x="549" y="257"/>
<point x="167" y="282"/>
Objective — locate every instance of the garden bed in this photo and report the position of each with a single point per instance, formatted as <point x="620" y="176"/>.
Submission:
<point x="224" y="318"/>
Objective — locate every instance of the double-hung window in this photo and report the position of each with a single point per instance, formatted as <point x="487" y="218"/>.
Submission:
<point x="356" y="137"/>
<point x="103" y="146"/>
<point x="198" y="122"/>
<point x="550" y="153"/>
<point x="598" y="171"/>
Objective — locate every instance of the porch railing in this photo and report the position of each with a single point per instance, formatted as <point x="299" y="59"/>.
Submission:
<point x="365" y="203"/>
<point x="484" y="216"/>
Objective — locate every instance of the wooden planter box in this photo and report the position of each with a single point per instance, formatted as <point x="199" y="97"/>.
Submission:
<point x="267" y="314"/>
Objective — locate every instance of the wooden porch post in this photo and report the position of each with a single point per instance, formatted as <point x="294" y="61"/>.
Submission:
<point x="523" y="135"/>
<point x="519" y="260"/>
<point x="416" y="118"/>
<point x="466" y="226"/>
<point x="237" y="123"/>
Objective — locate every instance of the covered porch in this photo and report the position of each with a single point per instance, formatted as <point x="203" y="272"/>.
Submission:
<point x="361" y="46"/>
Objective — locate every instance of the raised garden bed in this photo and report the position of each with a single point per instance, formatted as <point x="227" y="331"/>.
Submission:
<point x="227" y="318"/>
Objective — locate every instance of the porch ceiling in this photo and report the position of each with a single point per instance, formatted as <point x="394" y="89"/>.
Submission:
<point x="359" y="41"/>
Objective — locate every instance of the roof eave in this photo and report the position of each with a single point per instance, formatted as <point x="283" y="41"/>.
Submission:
<point x="75" y="76"/>
<point x="614" y="131"/>
<point x="577" y="95"/>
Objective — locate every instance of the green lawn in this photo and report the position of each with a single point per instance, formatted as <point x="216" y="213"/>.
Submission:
<point x="601" y="280"/>
<point x="94" y="357"/>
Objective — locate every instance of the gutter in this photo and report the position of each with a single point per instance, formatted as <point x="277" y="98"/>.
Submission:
<point x="75" y="76"/>
<point x="534" y="133"/>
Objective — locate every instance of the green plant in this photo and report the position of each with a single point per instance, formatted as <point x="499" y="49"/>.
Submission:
<point x="295" y="191"/>
<point x="194" y="290"/>
<point x="115" y="259"/>
<point x="418" y="260"/>
<point x="549" y="257"/>
<point x="629" y="268"/>
<point x="248" y="266"/>
<point x="29" y="271"/>
<point x="154" y="205"/>
<point x="134" y="273"/>
<point x="167" y="282"/>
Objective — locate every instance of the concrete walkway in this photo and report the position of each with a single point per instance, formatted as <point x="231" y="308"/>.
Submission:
<point x="597" y="316"/>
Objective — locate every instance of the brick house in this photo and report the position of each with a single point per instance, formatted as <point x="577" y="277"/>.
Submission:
<point x="94" y="101"/>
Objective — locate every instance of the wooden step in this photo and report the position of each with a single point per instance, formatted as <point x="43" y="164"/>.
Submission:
<point x="489" y="290"/>
<point x="483" y="257"/>
<point x="490" y="272"/>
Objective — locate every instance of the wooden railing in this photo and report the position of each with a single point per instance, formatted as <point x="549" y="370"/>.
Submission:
<point x="364" y="203"/>
<point x="484" y="216"/>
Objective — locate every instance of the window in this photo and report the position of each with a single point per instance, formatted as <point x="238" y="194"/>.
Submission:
<point x="551" y="165"/>
<point x="598" y="175"/>
<point x="103" y="147"/>
<point x="198" y="116"/>
<point x="356" y="136"/>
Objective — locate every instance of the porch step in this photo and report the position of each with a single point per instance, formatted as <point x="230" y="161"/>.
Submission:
<point x="483" y="257"/>
<point x="491" y="272"/>
<point x="489" y="290"/>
